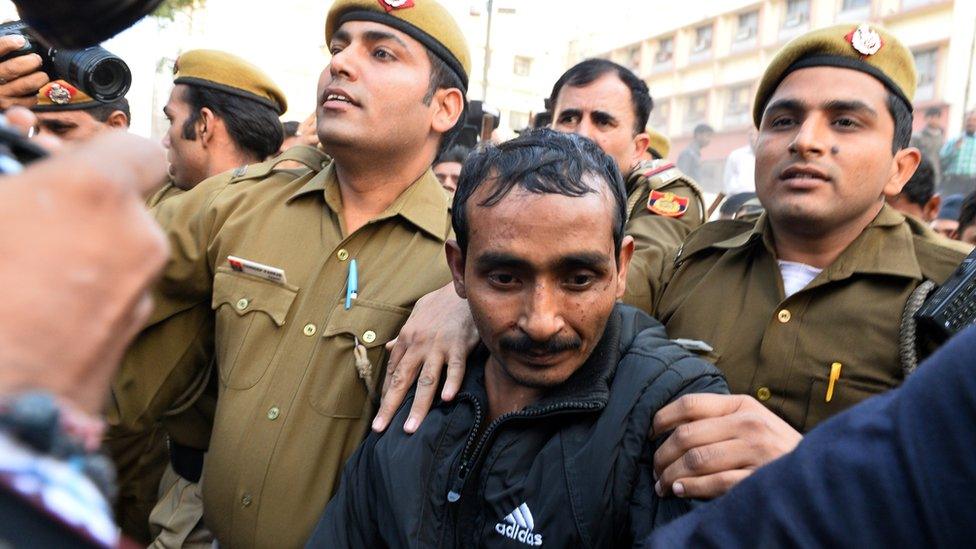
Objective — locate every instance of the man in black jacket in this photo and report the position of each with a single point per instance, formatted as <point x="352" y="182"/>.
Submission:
<point x="547" y="442"/>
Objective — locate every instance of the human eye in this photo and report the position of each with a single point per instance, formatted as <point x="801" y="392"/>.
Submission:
<point x="847" y="122"/>
<point x="384" y="54"/>
<point x="782" y="121"/>
<point x="580" y="281"/>
<point x="503" y="280"/>
<point x="568" y="120"/>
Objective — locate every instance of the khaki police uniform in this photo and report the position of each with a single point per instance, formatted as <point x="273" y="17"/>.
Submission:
<point x="727" y="291"/>
<point x="298" y="371"/>
<point x="724" y="287"/>
<point x="176" y="519"/>
<point x="294" y="402"/>
<point x="663" y="205"/>
<point x="166" y="191"/>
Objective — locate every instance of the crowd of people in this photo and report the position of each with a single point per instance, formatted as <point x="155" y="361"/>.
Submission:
<point x="351" y="332"/>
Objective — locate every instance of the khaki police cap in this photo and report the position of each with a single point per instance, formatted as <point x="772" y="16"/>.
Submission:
<point x="228" y="73"/>
<point x="862" y="47"/>
<point x="59" y="95"/>
<point x="426" y="21"/>
<point x="659" y="144"/>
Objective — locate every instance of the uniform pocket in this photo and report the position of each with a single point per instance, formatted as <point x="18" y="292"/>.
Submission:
<point x="337" y="388"/>
<point x="847" y="393"/>
<point x="250" y="311"/>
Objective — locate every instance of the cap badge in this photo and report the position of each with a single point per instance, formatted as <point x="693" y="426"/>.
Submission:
<point x="865" y="40"/>
<point x="59" y="95"/>
<point x="390" y="5"/>
<point x="667" y="204"/>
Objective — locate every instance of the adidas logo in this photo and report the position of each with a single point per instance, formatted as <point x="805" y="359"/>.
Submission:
<point x="520" y="526"/>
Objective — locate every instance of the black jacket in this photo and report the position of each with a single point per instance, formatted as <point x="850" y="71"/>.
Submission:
<point x="572" y="470"/>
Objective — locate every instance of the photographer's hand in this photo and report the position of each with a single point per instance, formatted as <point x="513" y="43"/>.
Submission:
<point x="20" y="77"/>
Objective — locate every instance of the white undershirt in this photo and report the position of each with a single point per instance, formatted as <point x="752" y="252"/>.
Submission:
<point x="796" y="275"/>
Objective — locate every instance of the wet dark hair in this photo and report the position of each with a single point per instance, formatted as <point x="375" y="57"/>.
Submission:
<point x="541" y="161"/>
<point x="254" y="127"/>
<point x="587" y="71"/>
<point x="921" y="187"/>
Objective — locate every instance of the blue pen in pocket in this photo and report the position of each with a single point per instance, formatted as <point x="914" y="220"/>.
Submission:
<point x="352" y="284"/>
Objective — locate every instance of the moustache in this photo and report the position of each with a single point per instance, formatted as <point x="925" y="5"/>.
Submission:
<point x="523" y="344"/>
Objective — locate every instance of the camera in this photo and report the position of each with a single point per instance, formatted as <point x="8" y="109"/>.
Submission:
<point x="93" y="70"/>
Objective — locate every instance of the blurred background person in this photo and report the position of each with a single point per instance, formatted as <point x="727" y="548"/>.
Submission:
<point x="447" y="167"/>
<point x="291" y="135"/>
<point x="946" y="222"/>
<point x="690" y="159"/>
<point x="966" y="230"/>
<point x="740" y="168"/>
<point x="930" y="139"/>
<point x="958" y="157"/>
<point x="917" y="197"/>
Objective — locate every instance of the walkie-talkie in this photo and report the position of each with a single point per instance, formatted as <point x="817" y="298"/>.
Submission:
<point x="952" y="307"/>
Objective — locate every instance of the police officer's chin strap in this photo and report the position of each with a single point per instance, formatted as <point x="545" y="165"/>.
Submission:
<point x="908" y="334"/>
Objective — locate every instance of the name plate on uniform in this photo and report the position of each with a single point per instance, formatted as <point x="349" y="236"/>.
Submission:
<point x="267" y="272"/>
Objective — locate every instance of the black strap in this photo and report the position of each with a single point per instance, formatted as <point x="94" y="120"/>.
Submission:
<point x="186" y="461"/>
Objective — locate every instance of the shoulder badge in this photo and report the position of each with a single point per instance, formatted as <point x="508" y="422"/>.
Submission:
<point x="667" y="204"/>
<point x="865" y="40"/>
<point x="654" y="170"/>
<point x="390" y="5"/>
<point x="59" y="95"/>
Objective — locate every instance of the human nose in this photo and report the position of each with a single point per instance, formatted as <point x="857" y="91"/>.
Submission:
<point x="541" y="319"/>
<point x="811" y="137"/>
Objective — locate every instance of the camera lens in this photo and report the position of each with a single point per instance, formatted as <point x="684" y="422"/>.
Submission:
<point x="95" y="71"/>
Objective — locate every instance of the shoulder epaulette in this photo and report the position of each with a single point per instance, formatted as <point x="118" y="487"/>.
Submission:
<point x="709" y="234"/>
<point x="309" y="157"/>
<point x="653" y="170"/>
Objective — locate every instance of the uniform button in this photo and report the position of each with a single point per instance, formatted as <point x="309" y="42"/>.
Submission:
<point x="763" y="393"/>
<point x="246" y="500"/>
<point x="273" y="413"/>
<point x="784" y="316"/>
<point x="342" y="255"/>
<point x="242" y="304"/>
<point x="369" y="336"/>
<point x="309" y="329"/>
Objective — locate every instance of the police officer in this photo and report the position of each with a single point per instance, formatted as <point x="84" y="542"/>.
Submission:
<point x="70" y="114"/>
<point x="609" y="104"/>
<point x="223" y="114"/>
<point x="803" y="308"/>
<point x="304" y="271"/>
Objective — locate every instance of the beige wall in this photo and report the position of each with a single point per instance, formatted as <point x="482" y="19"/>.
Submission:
<point x="942" y="27"/>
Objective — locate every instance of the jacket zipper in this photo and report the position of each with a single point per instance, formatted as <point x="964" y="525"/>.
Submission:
<point x="470" y="456"/>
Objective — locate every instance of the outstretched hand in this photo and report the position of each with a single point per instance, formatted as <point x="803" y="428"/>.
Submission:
<point x="439" y="332"/>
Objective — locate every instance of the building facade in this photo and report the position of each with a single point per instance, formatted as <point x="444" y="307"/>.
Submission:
<point x="703" y="65"/>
